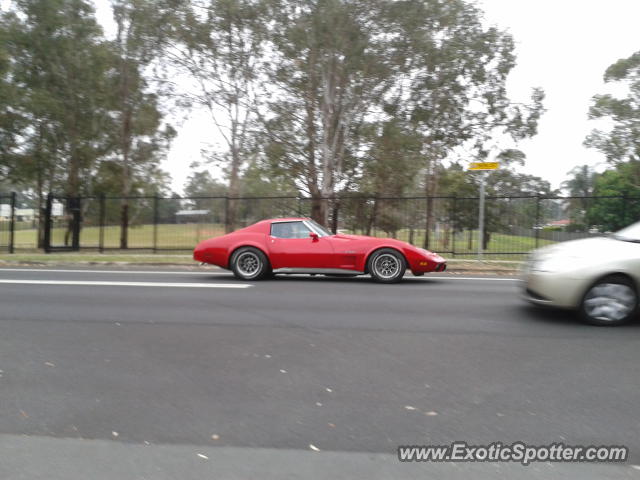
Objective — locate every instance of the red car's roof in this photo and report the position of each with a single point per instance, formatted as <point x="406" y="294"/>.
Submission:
<point x="262" y="224"/>
<point x="288" y="219"/>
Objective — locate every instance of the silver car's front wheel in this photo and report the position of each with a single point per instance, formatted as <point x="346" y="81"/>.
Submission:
<point x="611" y="301"/>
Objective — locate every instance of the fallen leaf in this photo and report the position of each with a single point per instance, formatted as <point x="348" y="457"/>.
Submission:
<point x="313" y="447"/>
<point x="204" y="457"/>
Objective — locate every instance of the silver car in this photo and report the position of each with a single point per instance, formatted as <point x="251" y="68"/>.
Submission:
<point x="599" y="277"/>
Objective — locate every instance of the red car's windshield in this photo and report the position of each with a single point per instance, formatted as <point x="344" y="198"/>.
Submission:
<point x="319" y="229"/>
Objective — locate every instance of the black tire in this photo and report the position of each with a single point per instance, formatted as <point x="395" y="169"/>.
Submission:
<point x="248" y="263"/>
<point x="610" y="301"/>
<point x="386" y="265"/>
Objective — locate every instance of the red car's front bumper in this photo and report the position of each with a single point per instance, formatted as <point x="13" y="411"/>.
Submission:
<point x="426" y="264"/>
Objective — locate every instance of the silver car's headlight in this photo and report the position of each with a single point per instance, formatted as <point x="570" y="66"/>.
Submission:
<point x="553" y="264"/>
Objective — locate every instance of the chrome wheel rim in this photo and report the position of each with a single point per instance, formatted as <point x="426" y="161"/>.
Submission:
<point x="610" y="302"/>
<point x="248" y="264"/>
<point x="386" y="265"/>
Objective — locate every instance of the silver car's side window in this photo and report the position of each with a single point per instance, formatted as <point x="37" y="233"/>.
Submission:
<point x="289" y="230"/>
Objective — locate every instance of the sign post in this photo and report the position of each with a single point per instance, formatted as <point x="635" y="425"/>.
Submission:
<point x="482" y="167"/>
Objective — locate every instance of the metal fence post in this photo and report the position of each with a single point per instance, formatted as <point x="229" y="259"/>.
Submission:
<point x="77" y="220"/>
<point x="537" y="224"/>
<point x="103" y="213"/>
<point x="12" y="225"/>
<point x="155" y="223"/>
<point x="452" y="222"/>
<point x="47" y="224"/>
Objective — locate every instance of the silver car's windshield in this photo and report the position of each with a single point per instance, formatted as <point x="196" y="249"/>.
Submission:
<point x="629" y="234"/>
<point x="319" y="229"/>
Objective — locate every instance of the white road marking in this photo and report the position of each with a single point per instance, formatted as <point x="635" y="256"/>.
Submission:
<point x="124" y="284"/>
<point x="149" y="272"/>
<point x="491" y="279"/>
<point x="224" y="273"/>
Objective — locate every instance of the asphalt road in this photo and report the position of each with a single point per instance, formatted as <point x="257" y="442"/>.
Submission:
<point x="192" y="374"/>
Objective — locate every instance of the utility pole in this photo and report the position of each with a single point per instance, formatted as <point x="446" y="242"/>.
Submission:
<point x="481" y="216"/>
<point x="482" y="167"/>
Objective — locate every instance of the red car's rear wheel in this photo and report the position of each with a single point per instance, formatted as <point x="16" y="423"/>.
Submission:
<point x="248" y="263"/>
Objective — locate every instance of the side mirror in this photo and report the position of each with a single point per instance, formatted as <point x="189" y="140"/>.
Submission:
<point x="314" y="236"/>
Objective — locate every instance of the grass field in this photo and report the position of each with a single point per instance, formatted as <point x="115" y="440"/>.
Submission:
<point x="183" y="237"/>
<point x="171" y="236"/>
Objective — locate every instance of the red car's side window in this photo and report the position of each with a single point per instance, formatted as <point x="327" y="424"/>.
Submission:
<point x="289" y="230"/>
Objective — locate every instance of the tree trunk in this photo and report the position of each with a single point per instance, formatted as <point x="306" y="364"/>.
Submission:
<point x="234" y="191"/>
<point x="318" y="208"/>
<point x="429" y="223"/>
<point x="335" y="211"/>
<point x="486" y="238"/>
<point x="447" y="237"/>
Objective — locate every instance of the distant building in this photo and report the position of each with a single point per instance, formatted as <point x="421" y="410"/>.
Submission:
<point x="192" y="216"/>
<point x="559" y="223"/>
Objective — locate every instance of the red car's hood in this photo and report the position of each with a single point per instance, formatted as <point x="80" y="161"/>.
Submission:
<point x="366" y="240"/>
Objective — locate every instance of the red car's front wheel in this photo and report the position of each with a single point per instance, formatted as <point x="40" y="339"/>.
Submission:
<point x="387" y="265"/>
<point x="248" y="263"/>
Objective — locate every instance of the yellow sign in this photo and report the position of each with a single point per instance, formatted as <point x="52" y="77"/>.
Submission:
<point x="484" y="166"/>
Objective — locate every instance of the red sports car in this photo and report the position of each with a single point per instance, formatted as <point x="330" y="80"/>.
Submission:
<point x="300" y="245"/>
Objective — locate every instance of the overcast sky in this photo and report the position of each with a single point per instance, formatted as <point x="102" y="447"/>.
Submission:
<point x="563" y="46"/>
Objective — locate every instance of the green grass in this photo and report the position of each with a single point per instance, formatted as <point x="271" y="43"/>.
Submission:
<point x="501" y="246"/>
<point x="95" y="258"/>
<point x="171" y="236"/>
<point x="183" y="237"/>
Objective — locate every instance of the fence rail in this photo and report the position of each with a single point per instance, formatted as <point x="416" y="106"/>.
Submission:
<point x="448" y="225"/>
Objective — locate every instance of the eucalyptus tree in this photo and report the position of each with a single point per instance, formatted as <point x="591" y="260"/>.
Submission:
<point x="220" y="44"/>
<point x="141" y="136"/>
<point x="61" y="64"/>
<point x="621" y="143"/>
<point x="332" y="64"/>
<point x="340" y="65"/>
<point x="11" y="118"/>
<point x="59" y="69"/>
<point x="453" y="84"/>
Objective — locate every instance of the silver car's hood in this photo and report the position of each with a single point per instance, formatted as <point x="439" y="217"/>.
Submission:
<point x="597" y="248"/>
